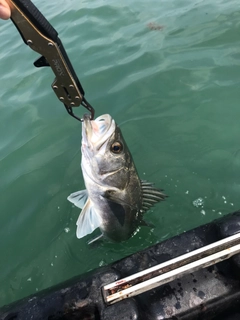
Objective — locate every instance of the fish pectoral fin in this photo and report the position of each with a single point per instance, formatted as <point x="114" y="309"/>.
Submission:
<point x="116" y="196"/>
<point x="78" y="198"/>
<point x="88" y="220"/>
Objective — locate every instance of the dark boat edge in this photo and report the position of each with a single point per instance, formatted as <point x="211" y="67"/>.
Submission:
<point x="208" y="293"/>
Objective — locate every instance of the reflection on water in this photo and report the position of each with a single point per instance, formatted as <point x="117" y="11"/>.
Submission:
<point x="168" y="73"/>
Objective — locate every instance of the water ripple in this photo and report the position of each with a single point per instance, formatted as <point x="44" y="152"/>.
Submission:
<point x="169" y="74"/>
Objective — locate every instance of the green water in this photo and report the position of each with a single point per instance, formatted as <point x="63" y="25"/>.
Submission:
<point x="169" y="73"/>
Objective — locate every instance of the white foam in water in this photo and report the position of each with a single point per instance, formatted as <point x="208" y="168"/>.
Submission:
<point x="102" y="263"/>
<point x="66" y="230"/>
<point x="198" y="202"/>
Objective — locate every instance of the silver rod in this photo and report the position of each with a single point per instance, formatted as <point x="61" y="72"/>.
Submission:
<point x="172" y="269"/>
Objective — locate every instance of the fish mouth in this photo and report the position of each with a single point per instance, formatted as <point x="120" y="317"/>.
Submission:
<point x="96" y="132"/>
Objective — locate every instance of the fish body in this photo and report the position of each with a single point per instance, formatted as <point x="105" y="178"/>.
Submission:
<point x="115" y="198"/>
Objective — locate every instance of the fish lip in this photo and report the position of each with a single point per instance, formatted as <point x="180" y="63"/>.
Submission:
<point x="86" y="117"/>
<point x="87" y="127"/>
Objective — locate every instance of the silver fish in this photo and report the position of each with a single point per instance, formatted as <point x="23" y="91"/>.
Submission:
<point x="115" y="198"/>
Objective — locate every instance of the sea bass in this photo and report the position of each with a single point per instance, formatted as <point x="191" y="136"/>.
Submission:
<point x="115" y="198"/>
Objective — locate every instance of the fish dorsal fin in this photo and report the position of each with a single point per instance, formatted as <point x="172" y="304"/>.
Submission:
<point x="150" y="195"/>
<point x="88" y="220"/>
<point x="78" y="198"/>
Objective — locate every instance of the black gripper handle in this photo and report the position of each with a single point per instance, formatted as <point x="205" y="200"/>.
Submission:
<point x="42" y="24"/>
<point x="37" y="19"/>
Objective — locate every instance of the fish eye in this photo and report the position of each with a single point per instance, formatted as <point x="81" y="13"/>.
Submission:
<point x="116" y="147"/>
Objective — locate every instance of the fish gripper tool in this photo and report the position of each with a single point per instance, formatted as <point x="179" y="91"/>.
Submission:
<point x="41" y="37"/>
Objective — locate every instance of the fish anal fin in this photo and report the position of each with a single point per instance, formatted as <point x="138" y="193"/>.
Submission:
<point x="95" y="239"/>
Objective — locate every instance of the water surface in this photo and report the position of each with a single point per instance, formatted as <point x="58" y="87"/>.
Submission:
<point x="169" y="73"/>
